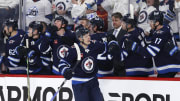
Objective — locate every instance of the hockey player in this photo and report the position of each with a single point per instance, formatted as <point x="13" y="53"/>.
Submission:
<point x="39" y="51"/>
<point x="166" y="65"/>
<point x="62" y="40"/>
<point x="135" y="64"/>
<point x="104" y="61"/>
<point x="11" y="60"/>
<point x="84" y="81"/>
<point x="7" y="10"/>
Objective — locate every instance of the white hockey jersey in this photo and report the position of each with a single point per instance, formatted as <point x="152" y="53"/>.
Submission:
<point x="143" y="17"/>
<point x="36" y="11"/>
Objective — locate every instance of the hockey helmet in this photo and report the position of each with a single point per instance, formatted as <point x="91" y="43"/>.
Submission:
<point x="62" y="19"/>
<point x="81" y="31"/>
<point x="129" y="20"/>
<point x="157" y="16"/>
<point x="98" y="22"/>
<point x="36" y="25"/>
<point x="11" y="23"/>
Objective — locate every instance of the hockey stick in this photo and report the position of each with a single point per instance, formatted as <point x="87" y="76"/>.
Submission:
<point x="28" y="81"/>
<point x="77" y="62"/>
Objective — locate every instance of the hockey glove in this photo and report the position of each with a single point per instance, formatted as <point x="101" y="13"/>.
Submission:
<point x="113" y="48"/>
<point x="110" y="37"/>
<point x="52" y="30"/>
<point x="68" y="74"/>
<point x="32" y="57"/>
<point x="31" y="54"/>
<point x="67" y="41"/>
<point x="1" y="60"/>
<point x="21" y="51"/>
<point x="170" y="48"/>
<point x="130" y="45"/>
<point x="119" y="68"/>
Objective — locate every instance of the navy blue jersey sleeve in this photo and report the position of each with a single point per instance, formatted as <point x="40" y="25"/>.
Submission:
<point x="45" y="46"/>
<point x="68" y="60"/>
<point x="158" y="41"/>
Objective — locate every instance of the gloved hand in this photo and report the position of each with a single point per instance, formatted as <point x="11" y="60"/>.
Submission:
<point x="21" y="51"/>
<point x="52" y="30"/>
<point x="110" y="37"/>
<point x="68" y="73"/>
<point x="130" y="45"/>
<point x="113" y="48"/>
<point x="67" y="41"/>
<point x="170" y="48"/>
<point x="119" y="68"/>
<point x="31" y="54"/>
<point x="1" y="60"/>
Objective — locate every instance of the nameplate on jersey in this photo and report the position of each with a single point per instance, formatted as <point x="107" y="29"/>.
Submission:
<point x="142" y="17"/>
<point x="62" y="51"/>
<point x="88" y="64"/>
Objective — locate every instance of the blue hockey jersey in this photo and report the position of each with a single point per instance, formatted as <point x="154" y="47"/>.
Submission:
<point x="104" y="63"/>
<point x="60" y="47"/>
<point x="163" y="61"/>
<point x="135" y="64"/>
<point x="15" y="64"/>
<point x="87" y="67"/>
<point x="39" y="54"/>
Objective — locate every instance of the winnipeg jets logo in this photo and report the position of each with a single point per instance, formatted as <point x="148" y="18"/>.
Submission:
<point x="32" y="12"/>
<point x="87" y="50"/>
<point x="142" y="17"/>
<point x="62" y="51"/>
<point x="32" y="42"/>
<point x="88" y="65"/>
<point x="11" y="41"/>
<point x="60" y="6"/>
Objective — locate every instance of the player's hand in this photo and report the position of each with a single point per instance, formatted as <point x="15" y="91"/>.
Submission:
<point x="113" y="48"/>
<point x="21" y="51"/>
<point x="130" y="45"/>
<point x="68" y="74"/>
<point x="31" y="54"/>
<point x="52" y="30"/>
<point x="67" y="41"/>
<point x="171" y="48"/>
<point x="110" y="37"/>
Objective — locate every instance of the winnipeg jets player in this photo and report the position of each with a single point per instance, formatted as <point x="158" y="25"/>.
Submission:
<point x="84" y="81"/>
<point x="166" y="65"/>
<point x="15" y="64"/>
<point x="39" y="51"/>
<point x="104" y="60"/>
